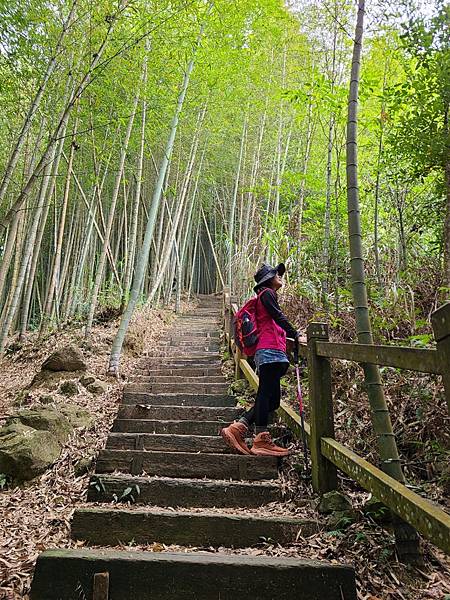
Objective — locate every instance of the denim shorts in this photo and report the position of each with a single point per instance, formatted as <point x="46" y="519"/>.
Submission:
<point x="268" y="355"/>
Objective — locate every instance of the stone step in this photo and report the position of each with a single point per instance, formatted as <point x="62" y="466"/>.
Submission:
<point x="192" y="361"/>
<point x="69" y="574"/>
<point x="109" y="527"/>
<point x="192" y="343"/>
<point x="180" y="387"/>
<point x="167" y="442"/>
<point x="186" y="493"/>
<point x="192" y="348"/>
<point x="179" y="399"/>
<point x="187" y="349"/>
<point x="200" y="312"/>
<point x="168" y="426"/>
<point x="177" y="379"/>
<point x="195" y="331"/>
<point x="165" y="355"/>
<point x="176" y="353"/>
<point x="200" y="322"/>
<point x="188" y="464"/>
<point x="178" y="413"/>
<point x="194" y="336"/>
<point x="181" y="370"/>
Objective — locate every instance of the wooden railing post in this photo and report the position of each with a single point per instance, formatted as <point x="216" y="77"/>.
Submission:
<point x="440" y="321"/>
<point x="324" y="473"/>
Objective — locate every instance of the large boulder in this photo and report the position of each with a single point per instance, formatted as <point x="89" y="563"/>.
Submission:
<point x="68" y="358"/>
<point x="44" y="418"/>
<point x="77" y="417"/>
<point x="51" y="380"/>
<point x="26" y="452"/>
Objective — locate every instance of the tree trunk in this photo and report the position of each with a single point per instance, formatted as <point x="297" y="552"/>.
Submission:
<point x="59" y="244"/>
<point x="27" y="251"/>
<point x="108" y="229"/>
<point x="135" y="209"/>
<point x="231" y="232"/>
<point x="167" y="248"/>
<point x="406" y="537"/>
<point x="142" y="260"/>
<point x="8" y="252"/>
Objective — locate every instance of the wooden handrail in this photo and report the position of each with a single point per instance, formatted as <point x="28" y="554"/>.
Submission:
<point x="401" y="357"/>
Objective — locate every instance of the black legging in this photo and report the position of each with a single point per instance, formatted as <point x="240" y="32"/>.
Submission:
<point x="269" y="393"/>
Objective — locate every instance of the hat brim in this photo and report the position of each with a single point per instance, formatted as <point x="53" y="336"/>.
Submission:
<point x="280" y="270"/>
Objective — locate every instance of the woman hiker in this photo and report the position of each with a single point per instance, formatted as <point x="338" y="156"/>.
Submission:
<point x="271" y="363"/>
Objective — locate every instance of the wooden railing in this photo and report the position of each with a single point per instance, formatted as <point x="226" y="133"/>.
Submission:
<point x="327" y="454"/>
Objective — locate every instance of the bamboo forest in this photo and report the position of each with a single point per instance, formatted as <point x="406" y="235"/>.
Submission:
<point x="157" y="158"/>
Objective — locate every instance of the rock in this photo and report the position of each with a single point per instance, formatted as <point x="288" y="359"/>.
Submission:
<point x="377" y="511"/>
<point x="87" y="380"/>
<point x="68" y="358"/>
<point x="333" y="501"/>
<point x="26" y="452"/>
<point x="341" y="519"/>
<point x="98" y="387"/>
<point x="77" y="417"/>
<point x="83" y="465"/>
<point x="69" y="388"/>
<point x="52" y="379"/>
<point x="44" y="419"/>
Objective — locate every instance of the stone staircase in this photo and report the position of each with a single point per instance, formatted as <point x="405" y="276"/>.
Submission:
<point x="165" y="450"/>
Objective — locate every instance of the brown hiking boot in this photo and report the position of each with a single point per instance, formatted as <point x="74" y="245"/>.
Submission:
<point x="264" y="446"/>
<point x="234" y="437"/>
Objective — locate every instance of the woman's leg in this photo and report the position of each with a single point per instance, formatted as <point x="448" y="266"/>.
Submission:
<point x="268" y="398"/>
<point x="248" y="418"/>
<point x="275" y="399"/>
<point x="269" y="393"/>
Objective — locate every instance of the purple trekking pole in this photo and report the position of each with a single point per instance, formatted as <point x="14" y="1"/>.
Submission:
<point x="300" y="402"/>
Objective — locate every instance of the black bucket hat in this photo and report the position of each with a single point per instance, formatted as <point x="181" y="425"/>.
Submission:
<point x="267" y="272"/>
